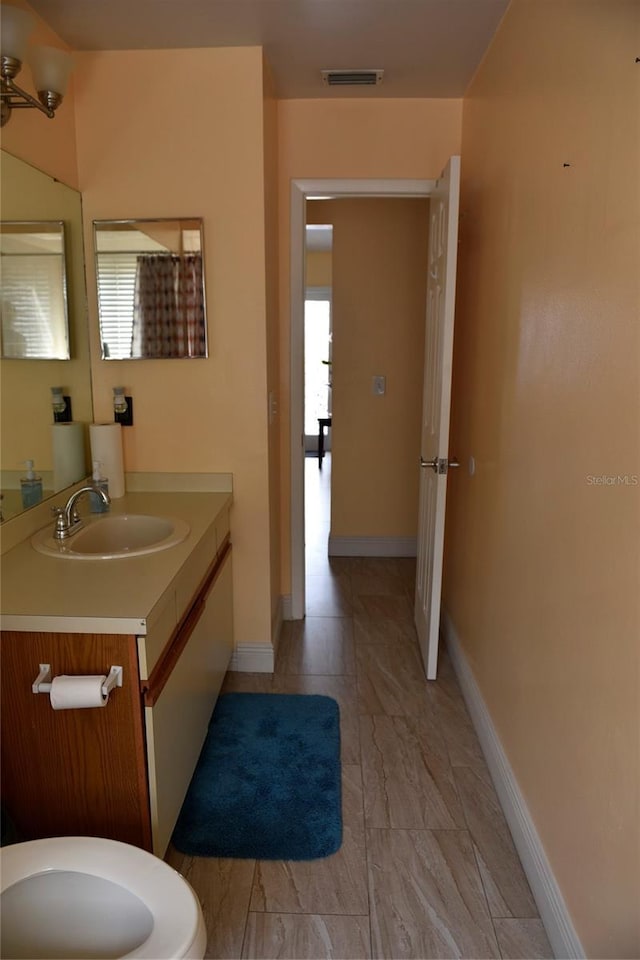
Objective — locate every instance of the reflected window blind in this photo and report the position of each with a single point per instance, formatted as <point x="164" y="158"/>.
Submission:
<point x="32" y="299"/>
<point x="116" y="286"/>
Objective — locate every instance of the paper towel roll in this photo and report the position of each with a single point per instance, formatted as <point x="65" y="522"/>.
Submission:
<point x="69" y="464"/>
<point x="106" y="446"/>
<point x="74" y="693"/>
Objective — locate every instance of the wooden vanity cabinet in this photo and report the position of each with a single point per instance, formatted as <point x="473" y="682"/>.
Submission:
<point x="73" y="772"/>
<point x="120" y="771"/>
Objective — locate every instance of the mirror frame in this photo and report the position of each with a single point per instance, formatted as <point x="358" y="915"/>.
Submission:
<point x="132" y="223"/>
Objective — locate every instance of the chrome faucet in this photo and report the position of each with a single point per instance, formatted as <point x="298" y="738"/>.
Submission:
<point x="68" y="521"/>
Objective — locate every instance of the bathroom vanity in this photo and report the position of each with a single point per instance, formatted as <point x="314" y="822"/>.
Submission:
<point x="120" y="771"/>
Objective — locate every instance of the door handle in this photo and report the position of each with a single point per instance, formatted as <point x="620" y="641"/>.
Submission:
<point x="439" y="464"/>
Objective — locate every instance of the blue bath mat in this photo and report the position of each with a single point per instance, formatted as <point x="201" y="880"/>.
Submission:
<point x="267" y="784"/>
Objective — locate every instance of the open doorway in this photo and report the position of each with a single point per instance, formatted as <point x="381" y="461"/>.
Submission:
<point x="317" y="337"/>
<point x="363" y="499"/>
<point x="317" y="394"/>
<point x="301" y="192"/>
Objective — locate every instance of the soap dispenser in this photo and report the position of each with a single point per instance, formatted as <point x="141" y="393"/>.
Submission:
<point x="96" y="503"/>
<point x="30" y="486"/>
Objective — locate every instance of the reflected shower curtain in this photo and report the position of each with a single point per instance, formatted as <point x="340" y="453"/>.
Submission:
<point x="168" y="311"/>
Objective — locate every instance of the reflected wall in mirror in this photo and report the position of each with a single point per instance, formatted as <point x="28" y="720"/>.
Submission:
<point x="151" y="298"/>
<point x="33" y="306"/>
<point x="26" y="413"/>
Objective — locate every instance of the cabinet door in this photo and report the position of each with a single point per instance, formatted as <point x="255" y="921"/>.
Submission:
<point x="177" y="723"/>
<point x="70" y="772"/>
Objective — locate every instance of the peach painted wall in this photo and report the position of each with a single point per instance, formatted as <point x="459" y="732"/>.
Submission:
<point x="29" y="134"/>
<point x="542" y="561"/>
<point x="350" y="138"/>
<point x="379" y="284"/>
<point x="317" y="267"/>
<point x="145" y="149"/>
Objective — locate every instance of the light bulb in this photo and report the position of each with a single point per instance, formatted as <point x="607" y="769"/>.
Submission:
<point x="17" y="24"/>
<point x="50" y="69"/>
<point x="119" y="400"/>
<point x="57" y="400"/>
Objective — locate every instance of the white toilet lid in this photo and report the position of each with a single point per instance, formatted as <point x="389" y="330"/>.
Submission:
<point x="177" y="917"/>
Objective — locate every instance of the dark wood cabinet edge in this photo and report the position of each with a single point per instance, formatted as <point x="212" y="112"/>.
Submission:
<point x="154" y="685"/>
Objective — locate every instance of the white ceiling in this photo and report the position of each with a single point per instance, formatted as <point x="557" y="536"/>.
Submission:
<point x="427" y="48"/>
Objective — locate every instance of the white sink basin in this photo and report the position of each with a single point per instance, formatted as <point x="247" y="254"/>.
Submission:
<point x="112" y="537"/>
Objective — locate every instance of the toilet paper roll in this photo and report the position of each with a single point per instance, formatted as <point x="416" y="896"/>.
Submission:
<point x="106" y="446"/>
<point x="74" y="693"/>
<point x="69" y="462"/>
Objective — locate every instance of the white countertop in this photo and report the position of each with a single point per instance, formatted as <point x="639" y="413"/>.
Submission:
<point x="42" y="593"/>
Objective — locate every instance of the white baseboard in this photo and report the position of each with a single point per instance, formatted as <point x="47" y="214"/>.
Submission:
<point x="372" y="546"/>
<point x="253" y="658"/>
<point x="286" y="607"/>
<point x="548" y="896"/>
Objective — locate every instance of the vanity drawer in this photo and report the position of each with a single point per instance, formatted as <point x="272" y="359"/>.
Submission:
<point x="173" y="607"/>
<point x="222" y="527"/>
<point x="186" y="684"/>
<point x="194" y="570"/>
<point x="160" y="626"/>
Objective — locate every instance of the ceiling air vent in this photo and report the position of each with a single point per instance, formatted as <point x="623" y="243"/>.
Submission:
<point x="352" y="78"/>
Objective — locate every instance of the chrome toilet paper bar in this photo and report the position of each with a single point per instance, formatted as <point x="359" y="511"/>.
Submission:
<point x="42" y="683"/>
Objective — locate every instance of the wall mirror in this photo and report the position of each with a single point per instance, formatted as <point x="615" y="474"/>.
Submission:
<point x="151" y="296"/>
<point x="26" y="413"/>
<point x="33" y="307"/>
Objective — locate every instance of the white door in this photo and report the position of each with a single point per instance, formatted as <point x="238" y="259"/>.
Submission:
<point x="434" y="447"/>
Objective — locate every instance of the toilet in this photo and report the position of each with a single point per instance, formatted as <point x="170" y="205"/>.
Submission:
<point x="86" y="897"/>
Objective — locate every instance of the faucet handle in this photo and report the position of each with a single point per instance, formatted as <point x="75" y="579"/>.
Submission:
<point x="61" y="528"/>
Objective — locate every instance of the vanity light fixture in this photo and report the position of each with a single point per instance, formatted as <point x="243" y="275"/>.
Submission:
<point x="61" y="404"/>
<point x="50" y="67"/>
<point x="122" y="407"/>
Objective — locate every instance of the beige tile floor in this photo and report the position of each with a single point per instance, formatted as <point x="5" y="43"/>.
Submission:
<point x="427" y="867"/>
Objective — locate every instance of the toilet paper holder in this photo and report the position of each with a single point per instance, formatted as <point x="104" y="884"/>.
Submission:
<point x="42" y="683"/>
